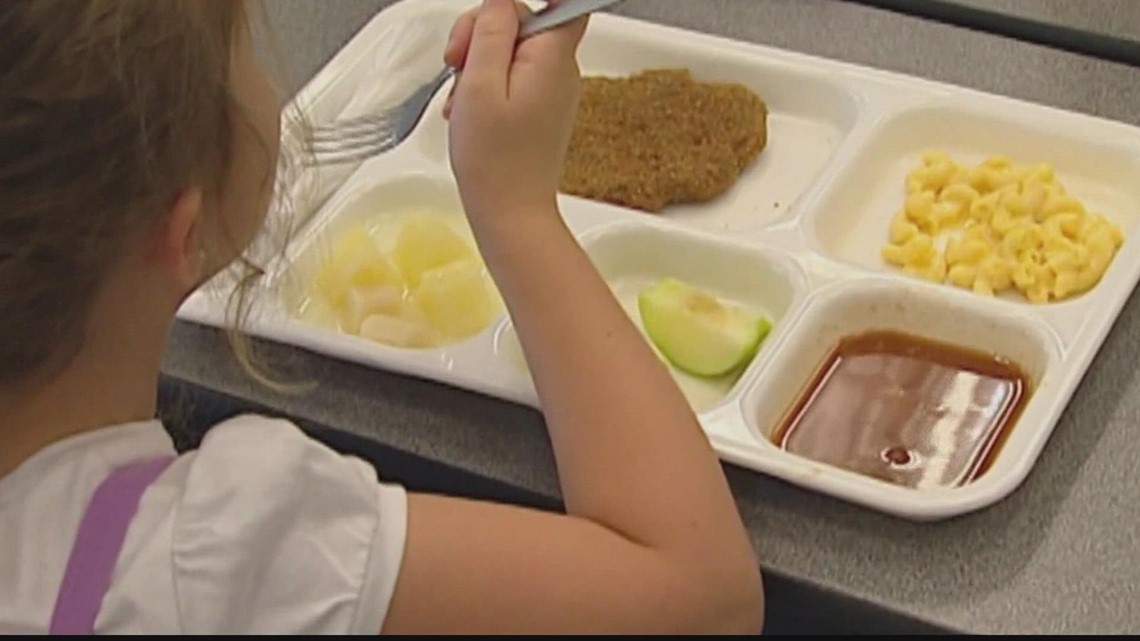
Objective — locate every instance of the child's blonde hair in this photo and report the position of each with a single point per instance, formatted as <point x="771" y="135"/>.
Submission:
<point x="108" y="110"/>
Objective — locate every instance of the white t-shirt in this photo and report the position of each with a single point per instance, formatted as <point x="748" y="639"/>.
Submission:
<point x="261" y="530"/>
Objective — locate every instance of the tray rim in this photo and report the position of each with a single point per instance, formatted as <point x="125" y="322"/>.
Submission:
<point x="1076" y="357"/>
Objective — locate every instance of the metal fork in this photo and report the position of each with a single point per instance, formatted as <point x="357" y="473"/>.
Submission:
<point x="358" y="138"/>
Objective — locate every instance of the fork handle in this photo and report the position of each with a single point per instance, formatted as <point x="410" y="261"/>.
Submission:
<point x="555" y="15"/>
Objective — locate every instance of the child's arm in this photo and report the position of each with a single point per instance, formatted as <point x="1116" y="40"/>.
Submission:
<point x="652" y="541"/>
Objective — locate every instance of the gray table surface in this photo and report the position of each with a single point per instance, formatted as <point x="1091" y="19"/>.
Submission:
<point x="1059" y="555"/>
<point x="1120" y="18"/>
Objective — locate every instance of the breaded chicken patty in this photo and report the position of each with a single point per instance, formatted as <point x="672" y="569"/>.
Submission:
<point x="660" y="137"/>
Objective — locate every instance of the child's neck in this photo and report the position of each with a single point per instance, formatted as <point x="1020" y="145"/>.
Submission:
<point x="112" y="380"/>
<point x="85" y="397"/>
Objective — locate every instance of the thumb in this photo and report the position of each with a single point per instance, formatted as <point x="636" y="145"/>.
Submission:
<point x="570" y="35"/>
<point x="492" y="45"/>
<point x="557" y="43"/>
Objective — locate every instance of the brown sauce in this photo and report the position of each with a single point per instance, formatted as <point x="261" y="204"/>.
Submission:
<point x="906" y="410"/>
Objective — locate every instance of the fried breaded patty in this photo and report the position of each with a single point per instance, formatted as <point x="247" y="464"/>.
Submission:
<point x="659" y="137"/>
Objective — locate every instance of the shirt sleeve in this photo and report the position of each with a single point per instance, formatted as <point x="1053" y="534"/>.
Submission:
<point x="276" y="533"/>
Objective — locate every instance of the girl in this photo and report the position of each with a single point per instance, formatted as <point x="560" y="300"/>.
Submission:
<point x="137" y="149"/>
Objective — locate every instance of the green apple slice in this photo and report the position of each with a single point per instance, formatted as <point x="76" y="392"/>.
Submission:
<point x="697" y="333"/>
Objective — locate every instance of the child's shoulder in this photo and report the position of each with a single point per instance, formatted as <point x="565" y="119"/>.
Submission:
<point x="261" y="529"/>
<point x="272" y="531"/>
<point x="260" y="449"/>
<point x="270" y="472"/>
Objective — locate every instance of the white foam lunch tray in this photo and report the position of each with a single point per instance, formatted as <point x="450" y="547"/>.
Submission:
<point x="798" y="236"/>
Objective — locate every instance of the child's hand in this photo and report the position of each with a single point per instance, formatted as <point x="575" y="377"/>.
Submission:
<point x="511" y="111"/>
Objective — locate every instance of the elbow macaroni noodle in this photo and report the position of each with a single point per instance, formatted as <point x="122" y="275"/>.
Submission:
<point x="1016" y="228"/>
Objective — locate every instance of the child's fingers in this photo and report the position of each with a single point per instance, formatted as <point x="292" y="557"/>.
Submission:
<point x="558" y="43"/>
<point x="459" y="39"/>
<point x="458" y="42"/>
<point x="569" y="35"/>
<point x="576" y="30"/>
<point x="492" y="46"/>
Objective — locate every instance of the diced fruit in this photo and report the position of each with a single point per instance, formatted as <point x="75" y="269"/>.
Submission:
<point x="354" y="261"/>
<point x="426" y="243"/>
<point x="430" y="289"/>
<point x="696" y="332"/>
<point x="454" y="299"/>
<point x="398" y="332"/>
<point x="364" y="301"/>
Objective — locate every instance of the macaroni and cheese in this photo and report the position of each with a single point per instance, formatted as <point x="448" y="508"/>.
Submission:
<point x="1010" y="227"/>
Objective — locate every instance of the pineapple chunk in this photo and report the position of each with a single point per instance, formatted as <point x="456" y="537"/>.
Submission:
<point x="455" y="300"/>
<point x="426" y="243"/>
<point x="398" y="332"/>
<point x="354" y="261"/>
<point x="364" y="301"/>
